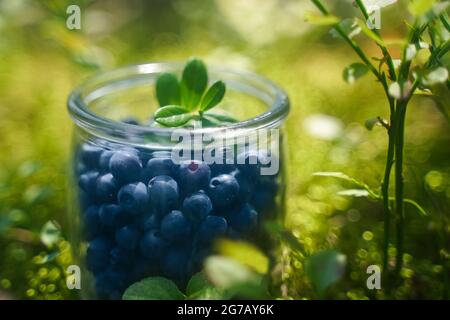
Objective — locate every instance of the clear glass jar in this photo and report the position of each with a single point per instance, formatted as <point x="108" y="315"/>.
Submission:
<point x="137" y="210"/>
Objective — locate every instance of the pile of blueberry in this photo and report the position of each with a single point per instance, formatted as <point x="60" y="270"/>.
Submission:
<point x="143" y="215"/>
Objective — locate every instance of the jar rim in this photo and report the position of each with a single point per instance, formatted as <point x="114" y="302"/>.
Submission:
<point x="84" y="117"/>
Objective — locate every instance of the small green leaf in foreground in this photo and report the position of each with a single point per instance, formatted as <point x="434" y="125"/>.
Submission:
<point x="354" y="71"/>
<point x="324" y="269"/>
<point x="193" y="83"/>
<point x="213" y="96"/>
<point x="153" y="288"/>
<point x="167" y="89"/>
<point x="172" y="116"/>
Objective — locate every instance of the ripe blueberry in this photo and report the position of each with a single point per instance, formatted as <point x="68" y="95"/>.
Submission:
<point x="127" y="237"/>
<point x="211" y="228"/>
<point x="92" y="225"/>
<point x="152" y="245"/>
<point x="112" y="216"/>
<point x="223" y="190"/>
<point x="163" y="191"/>
<point x="87" y="182"/>
<point x="106" y="188"/>
<point x="197" y="206"/>
<point x="193" y="175"/>
<point x="121" y="257"/>
<point x="157" y="167"/>
<point x="133" y="198"/>
<point x="175" y="263"/>
<point x="90" y="155"/>
<point x="103" y="162"/>
<point x="125" y="166"/>
<point x="243" y="220"/>
<point x="175" y="226"/>
<point x="97" y="254"/>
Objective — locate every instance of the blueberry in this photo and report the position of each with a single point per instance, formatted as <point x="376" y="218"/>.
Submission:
<point x="163" y="191"/>
<point x="175" y="263"/>
<point x="147" y="222"/>
<point x="246" y="185"/>
<point x="193" y="175"/>
<point x="157" y="167"/>
<point x="125" y="166"/>
<point x="92" y="225"/>
<point x="112" y="216"/>
<point x="197" y="206"/>
<point x="103" y="162"/>
<point x="111" y="283"/>
<point x="87" y="182"/>
<point x="244" y="220"/>
<point x="175" y="226"/>
<point x="97" y="254"/>
<point x="106" y="188"/>
<point x="90" y="155"/>
<point x="127" y="237"/>
<point x="263" y="200"/>
<point x="152" y="245"/>
<point x="223" y="190"/>
<point x="121" y="257"/>
<point x="211" y="228"/>
<point x="85" y="199"/>
<point x="133" y="198"/>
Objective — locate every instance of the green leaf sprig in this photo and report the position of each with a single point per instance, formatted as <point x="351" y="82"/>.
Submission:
<point x="187" y="100"/>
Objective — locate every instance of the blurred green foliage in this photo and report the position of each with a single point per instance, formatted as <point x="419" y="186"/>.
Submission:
<point x="41" y="61"/>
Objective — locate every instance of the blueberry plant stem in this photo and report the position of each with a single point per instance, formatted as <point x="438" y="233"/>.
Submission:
<point x="399" y="185"/>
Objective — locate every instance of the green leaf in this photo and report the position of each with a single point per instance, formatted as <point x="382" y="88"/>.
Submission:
<point x="370" y="123"/>
<point x="197" y="282"/>
<point x="368" y="32"/>
<point x="200" y="288"/>
<point x="324" y="269"/>
<point x="339" y="175"/>
<point x="320" y="19"/>
<point x="350" y="28"/>
<point x="417" y="206"/>
<point x="50" y="234"/>
<point x="354" y="193"/>
<point x="235" y="278"/>
<point x="354" y="71"/>
<point x="245" y="253"/>
<point x="172" y="116"/>
<point x="220" y="117"/>
<point x="213" y="96"/>
<point x="193" y="83"/>
<point x="167" y="89"/>
<point x="153" y="288"/>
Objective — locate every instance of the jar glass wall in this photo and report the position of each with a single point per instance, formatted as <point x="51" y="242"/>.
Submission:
<point x="152" y="201"/>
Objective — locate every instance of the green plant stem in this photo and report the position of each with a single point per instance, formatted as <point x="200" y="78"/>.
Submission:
<point x="385" y="192"/>
<point x="399" y="184"/>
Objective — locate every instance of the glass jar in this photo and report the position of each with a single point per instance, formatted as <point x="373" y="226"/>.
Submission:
<point x="151" y="201"/>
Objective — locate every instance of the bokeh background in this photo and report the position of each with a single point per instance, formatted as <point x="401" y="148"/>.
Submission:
<point x="41" y="61"/>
